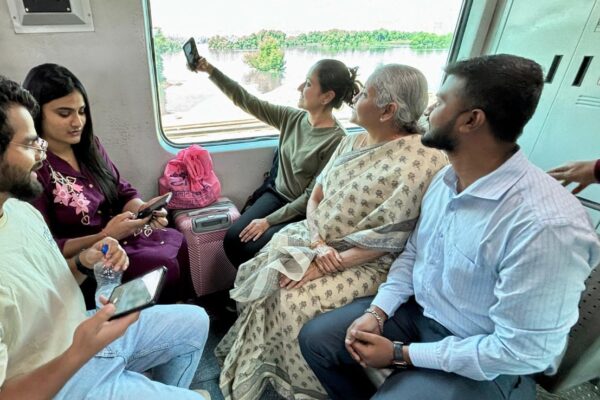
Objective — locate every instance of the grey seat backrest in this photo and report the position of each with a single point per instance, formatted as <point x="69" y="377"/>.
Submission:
<point x="581" y="361"/>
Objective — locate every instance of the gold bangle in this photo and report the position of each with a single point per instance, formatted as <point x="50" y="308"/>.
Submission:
<point x="374" y="313"/>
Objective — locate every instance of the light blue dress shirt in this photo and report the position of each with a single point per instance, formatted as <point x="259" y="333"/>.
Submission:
<point x="501" y="265"/>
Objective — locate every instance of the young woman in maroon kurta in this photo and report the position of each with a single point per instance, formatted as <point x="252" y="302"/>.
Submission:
<point x="85" y="197"/>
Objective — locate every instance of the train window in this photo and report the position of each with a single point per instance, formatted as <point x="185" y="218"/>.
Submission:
<point x="269" y="45"/>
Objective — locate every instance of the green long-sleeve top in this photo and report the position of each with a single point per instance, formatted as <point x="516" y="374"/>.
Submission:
<point x="303" y="149"/>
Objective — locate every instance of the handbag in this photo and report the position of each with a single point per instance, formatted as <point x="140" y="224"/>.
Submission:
<point x="267" y="185"/>
<point x="191" y="179"/>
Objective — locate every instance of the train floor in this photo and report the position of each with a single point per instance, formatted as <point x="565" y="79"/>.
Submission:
<point x="207" y="376"/>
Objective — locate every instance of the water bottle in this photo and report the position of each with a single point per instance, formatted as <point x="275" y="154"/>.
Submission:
<point x="106" y="279"/>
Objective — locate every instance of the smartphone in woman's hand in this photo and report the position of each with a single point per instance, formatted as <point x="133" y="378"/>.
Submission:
<point x="159" y="203"/>
<point x="191" y="53"/>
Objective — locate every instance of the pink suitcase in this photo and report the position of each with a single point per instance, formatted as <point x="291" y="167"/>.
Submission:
<point x="204" y="230"/>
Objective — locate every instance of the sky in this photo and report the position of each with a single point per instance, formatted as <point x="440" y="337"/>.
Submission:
<point x="240" y="17"/>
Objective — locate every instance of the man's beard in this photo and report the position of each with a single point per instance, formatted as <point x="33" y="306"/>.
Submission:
<point x="19" y="183"/>
<point x="441" y="138"/>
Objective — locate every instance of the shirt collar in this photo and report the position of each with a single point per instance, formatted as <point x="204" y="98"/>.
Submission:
<point x="62" y="166"/>
<point x="312" y="131"/>
<point x="493" y="185"/>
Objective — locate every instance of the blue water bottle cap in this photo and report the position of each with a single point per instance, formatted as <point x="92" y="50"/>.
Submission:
<point x="104" y="249"/>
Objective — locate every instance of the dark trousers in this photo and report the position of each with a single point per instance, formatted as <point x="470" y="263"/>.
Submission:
<point x="322" y="344"/>
<point x="184" y="289"/>
<point x="238" y="252"/>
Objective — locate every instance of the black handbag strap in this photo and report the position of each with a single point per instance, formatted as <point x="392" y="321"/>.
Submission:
<point x="268" y="182"/>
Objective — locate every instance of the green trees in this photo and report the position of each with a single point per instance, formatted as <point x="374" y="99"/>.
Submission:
<point x="163" y="45"/>
<point x="335" y="39"/>
<point x="248" y="42"/>
<point x="219" y="42"/>
<point x="269" y="56"/>
<point x="426" y="40"/>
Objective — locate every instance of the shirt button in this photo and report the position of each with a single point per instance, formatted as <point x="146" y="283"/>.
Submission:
<point x="125" y="242"/>
<point x="90" y="185"/>
<point x="99" y="211"/>
<point x="162" y="242"/>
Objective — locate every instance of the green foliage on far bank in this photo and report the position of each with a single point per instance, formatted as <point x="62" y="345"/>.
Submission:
<point x="163" y="45"/>
<point x="269" y="56"/>
<point x="425" y="40"/>
<point x="249" y="42"/>
<point x="334" y="39"/>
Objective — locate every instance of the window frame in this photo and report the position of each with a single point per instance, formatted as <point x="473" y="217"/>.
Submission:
<point x="271" y="140"/>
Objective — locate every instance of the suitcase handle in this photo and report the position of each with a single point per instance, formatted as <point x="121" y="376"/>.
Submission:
<point x="212" y="223"/>
<point x="206" y="211"/>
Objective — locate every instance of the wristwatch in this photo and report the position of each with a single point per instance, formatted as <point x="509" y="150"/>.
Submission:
<point x="82" y="268"/>
<point x="399" y="361"/>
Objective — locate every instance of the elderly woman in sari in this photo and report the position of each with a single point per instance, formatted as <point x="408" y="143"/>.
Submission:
<point x="363" y="207"/>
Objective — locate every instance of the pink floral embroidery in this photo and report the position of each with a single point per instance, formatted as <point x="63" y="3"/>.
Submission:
<point x="80" y="203"/>
<point x="68" y="193"/>
<point x="61" y="194"/>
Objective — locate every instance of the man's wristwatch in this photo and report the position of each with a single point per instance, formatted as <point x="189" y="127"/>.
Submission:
<point x="82" y="268"/>
<point x="399" y="361"/>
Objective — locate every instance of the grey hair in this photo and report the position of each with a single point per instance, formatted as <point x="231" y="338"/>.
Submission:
<point x="405" y="86"/>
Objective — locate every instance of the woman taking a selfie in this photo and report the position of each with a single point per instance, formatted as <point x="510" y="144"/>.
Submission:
<point x="308" y="137"/>
<point x="85" y="198"/>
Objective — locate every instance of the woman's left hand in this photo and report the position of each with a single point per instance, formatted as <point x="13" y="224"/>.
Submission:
<point x="328" y="260"/>
<point x="311" y="274"/>
<point x="254" y="230"/>
<point x="159" y="217"/>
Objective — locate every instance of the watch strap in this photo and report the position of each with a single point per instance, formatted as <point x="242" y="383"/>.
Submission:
<point x="399" y="361"/>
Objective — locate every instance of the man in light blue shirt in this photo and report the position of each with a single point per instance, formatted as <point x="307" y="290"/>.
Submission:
<point x="487" y="288"/>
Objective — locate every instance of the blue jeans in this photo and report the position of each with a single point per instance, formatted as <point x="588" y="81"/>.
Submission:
<point x="322" y="345"/>
<point x="167" y="341"/>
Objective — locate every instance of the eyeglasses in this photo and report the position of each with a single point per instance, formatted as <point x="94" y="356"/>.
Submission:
<point x="39" y="145"/>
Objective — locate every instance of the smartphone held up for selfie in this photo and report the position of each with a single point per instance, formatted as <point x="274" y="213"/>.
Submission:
<point x="159" y="203"/>
<point x="191" y="52"/>
<point x="139" y="293"/>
